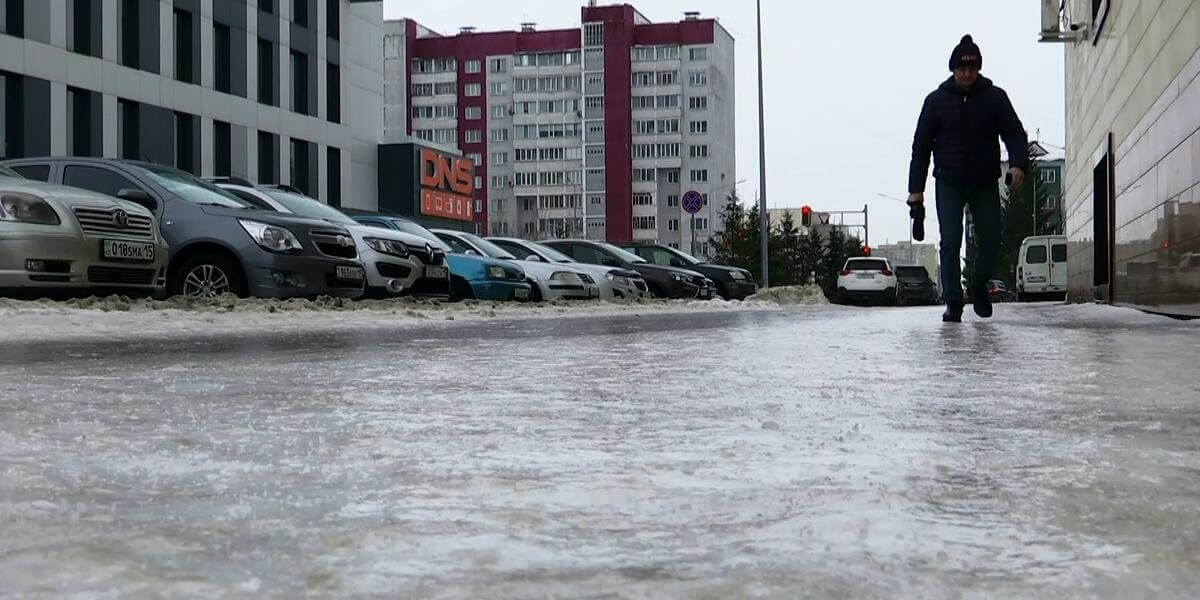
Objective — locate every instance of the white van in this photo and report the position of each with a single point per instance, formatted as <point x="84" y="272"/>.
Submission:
<point x="1042" y="268"/>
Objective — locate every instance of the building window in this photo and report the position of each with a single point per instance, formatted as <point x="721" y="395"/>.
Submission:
<point x="1049" y="176"/>
<point x="300" y="176"/>
<point x="699" y="175"/>
<point x="333" y="18"/>
<point x="222" y="58"/>
<point x="183" y="46"/>
<point x="127" y="32"/>
<point x="445" y="135"/>
<point x="644" y="175"/>
<point x="667" y="77"/>
<point x="267" y="6"/>
<point x="667" y="126"/>
<point x="473" y="113"/>
<point x="698" y="78"/>
<point x="499" y="88"/>
<point x="672" y="224"/>
<point x="643" y="199"/>
<point x="667" y="101"/>
<point x="698" y="103"/>
<point x="83" y="126"/>
<point x="83" y="26"/>
<point x="673" y="201"/>
<point x="185" y="138"/>
<point x="472" y="66"/>
<point x="497" y="65"/>
<point x="333" y="92"/>
<point x="499" y="158"/>
<point x="476" y="158"/>
<point x="266" y="72"/>
<point x="129" y="140"/>
<point x="473" y="90"/>
<point x="473" y="136"/>
<point x="698" y="127"/>
<point x="696" y="54"/>
<point x="222" y="149"/>
<point x="333" y="177"/>
<point x="300" y="12"/>
<point x="701" y="224"/>
<point x="673" y="176"/>
<point x="644" y="222"/>
<point x="593" y="34"/>
<point x="643" y="79"/>
<point x="499" y="111"/>
<point x="268" y="164"/>
<point x="299" y="82"/>
<point x="478" y="186"/>
<point x="12" y="17"/>
<point x="700" y="151"/>
<point x="499" y="135"/>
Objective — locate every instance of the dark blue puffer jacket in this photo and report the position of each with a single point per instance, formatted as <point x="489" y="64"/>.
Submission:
<point x="961" y="129"/>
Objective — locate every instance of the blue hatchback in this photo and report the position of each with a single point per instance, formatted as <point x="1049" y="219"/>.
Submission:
<point x="477" y="277"/>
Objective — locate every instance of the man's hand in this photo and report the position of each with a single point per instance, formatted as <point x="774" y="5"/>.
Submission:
<point x="916" y="199"/>
<point x="1018" y="177"/>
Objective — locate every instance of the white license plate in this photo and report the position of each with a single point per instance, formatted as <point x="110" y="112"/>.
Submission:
<point x="521" y="294"/>
<point x="350" y="273"/>
<point x="122" y="250"/>
<point x="437" y="272"/>
<point x="866" y="276"/>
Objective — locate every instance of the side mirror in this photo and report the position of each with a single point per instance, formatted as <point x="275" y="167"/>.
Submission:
<point x="533" y="258"/>
<point x="139" y="197"/>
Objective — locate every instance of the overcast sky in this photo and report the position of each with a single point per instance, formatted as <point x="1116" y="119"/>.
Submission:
<point x="844" y="83"/>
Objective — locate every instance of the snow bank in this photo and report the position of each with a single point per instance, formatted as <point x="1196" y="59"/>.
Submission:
<point x="798" y="295"/>
<point x="120" y="317"/>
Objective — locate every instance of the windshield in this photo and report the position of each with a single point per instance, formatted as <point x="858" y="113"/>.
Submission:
<point x="414" y="229"/>
<point x="550" y="253"/>
<point x="7" y="172"/>
<point x="487" y="247"/>
<point x="687" y="258"/>
<point x="912" y="272"/>
<point x="624" y="255"/>
<point x="307" y="207"/>
<point x="193" y="189"/>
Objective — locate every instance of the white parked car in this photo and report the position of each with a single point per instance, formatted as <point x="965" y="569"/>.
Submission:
<point x="866" y="279"/>
<point x="396" y="263"/>
<point x="1042" y="268"/>
<point x="613" y="282"/>
<point x="54" y="237"/>
<point x="548" y="280"/>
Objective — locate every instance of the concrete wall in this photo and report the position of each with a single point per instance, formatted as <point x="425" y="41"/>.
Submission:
<point x="1139" y="82"/>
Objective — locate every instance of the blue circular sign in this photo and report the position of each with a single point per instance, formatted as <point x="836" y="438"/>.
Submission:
<point x="693" y="201"/>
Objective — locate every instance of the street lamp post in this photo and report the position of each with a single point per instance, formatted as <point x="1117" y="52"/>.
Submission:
<point x="762" y="158"/>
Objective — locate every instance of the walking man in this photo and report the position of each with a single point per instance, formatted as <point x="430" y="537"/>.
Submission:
<point x="960" y="123"/>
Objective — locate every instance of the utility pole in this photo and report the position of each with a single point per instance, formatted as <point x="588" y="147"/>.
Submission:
<point x="762" y="158"/>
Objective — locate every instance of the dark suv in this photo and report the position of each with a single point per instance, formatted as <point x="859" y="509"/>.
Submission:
<point x="915" y="286"/>
<point x="218" y="243"/>
<point x="664" y="281"/>
<point x="732" y="283"/>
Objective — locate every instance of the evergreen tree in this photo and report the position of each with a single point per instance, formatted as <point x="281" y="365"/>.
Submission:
<point x="834" y="260"/>
<point x="809" y="256"/>
<point x="726" y="243"/>
<point x="784" y="252"/>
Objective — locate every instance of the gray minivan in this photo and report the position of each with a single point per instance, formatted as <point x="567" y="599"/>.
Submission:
<point x="218" y="243"/>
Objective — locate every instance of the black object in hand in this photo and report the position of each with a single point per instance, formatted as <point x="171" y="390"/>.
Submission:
<point x="917" y="212"/>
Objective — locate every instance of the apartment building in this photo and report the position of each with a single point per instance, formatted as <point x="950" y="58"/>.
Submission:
<point x="593" y="131"/>
<point x="276" y="91"/>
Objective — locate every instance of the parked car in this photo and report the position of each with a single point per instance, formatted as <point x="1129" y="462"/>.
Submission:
<point x="915" y="286"/>
<point x="1042" y="268"/>
<point x="730" y="283"/>
<point x="219" y="243"/>
<point x="870" y="280"/>
<point x="396" y="263"/>
<point x="614" y="283"/>
<point x="548" y="281"/>
<point x="662" y="281"/>
<point x="60" y="238"/>
<point x="999" y="292"/>
<point x="471" y="277"/>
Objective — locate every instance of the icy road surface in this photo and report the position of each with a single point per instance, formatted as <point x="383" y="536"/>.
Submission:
<point x="814" y="452"/>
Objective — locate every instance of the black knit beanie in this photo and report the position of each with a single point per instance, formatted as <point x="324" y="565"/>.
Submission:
<point x="966" y="54"/>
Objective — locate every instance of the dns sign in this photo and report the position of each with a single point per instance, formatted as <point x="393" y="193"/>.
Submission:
<point x="446" y="186"/>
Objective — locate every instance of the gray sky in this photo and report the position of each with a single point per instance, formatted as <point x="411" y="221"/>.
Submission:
<point x="844" y="83"/>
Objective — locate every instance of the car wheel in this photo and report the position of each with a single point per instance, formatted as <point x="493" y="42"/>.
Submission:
<point x="208" y="276"/>
<point x="460" y="290"/>
<point x="535" y="292"/>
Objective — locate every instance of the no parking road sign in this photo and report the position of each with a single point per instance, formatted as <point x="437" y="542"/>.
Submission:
<point x="693" y="201"/>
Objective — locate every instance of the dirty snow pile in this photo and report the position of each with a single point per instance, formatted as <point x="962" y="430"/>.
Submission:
<point x="121" y="317"/>
<point x="794" y="295"/>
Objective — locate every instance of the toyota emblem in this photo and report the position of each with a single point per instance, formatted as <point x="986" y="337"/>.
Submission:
<point x="345" y="241"/>
<point x="429" y="249"/>
<point x="120" y="218"/>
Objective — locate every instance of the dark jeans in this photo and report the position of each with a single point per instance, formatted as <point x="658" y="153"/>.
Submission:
<point x="984" y="202"/>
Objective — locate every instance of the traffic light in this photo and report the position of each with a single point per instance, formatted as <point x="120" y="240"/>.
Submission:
<point x="866" y="250"/>
<point x="806" y="216"/>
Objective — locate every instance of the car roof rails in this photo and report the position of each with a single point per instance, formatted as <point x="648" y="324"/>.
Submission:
<point x="232" y="180"/>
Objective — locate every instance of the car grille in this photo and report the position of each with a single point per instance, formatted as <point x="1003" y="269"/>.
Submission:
<point x="430" y="287"/>
<point x="428" y="256"/>
<point x="121" y="276"/>
<point x="102" y="222"/>
<point x="392" y="270"/>
<point x="640" y="283"/>
<point x="699" y="280"/>
<point x="332" y="243"/>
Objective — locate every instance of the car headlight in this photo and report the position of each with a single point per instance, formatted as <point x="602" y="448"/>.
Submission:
<point x="566" y="277"/>
<point x="678" y="277"/>
<point x="737" y="275"/>
<point x="618" y="280"/>
<point x="496" y="272"/>
<point x="24" y="208"/>
<point x="389" y="247"/>
<point x="271" y="237"/>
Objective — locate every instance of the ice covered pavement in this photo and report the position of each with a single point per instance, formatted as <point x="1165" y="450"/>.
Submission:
<point x="813" y="452"/>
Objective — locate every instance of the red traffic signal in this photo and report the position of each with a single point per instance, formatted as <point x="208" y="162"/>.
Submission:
<point x="806" y="216"/>
<point x="866" y="250"/>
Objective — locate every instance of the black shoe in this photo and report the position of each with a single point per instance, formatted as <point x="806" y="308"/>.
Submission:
<point x="983" y="304"/>
<point x="953" y="313"/>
